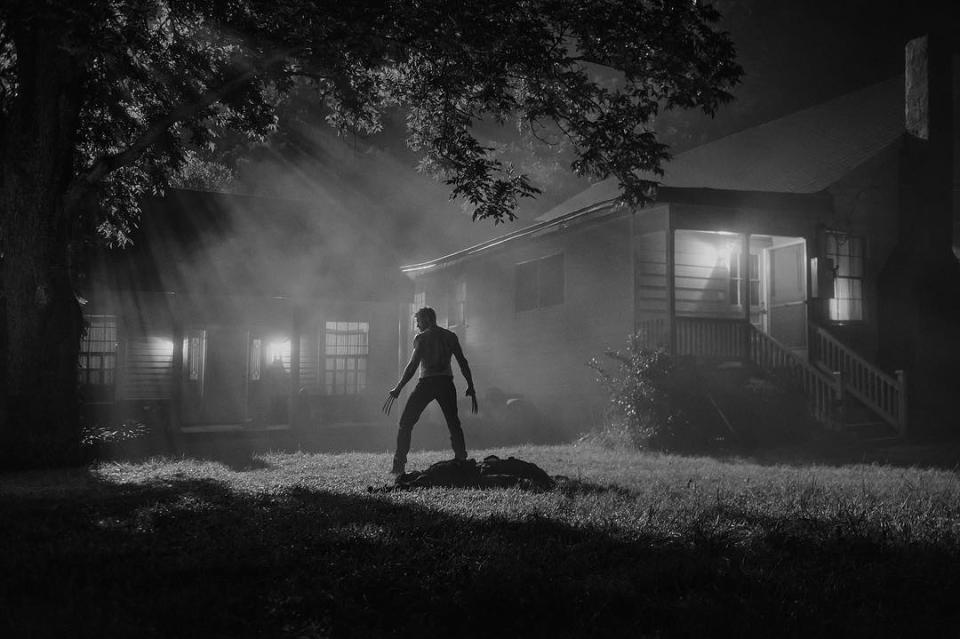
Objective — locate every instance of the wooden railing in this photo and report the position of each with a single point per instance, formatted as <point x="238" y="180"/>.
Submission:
<point x="824" y="391"/>
<point x="711" y="337"/>
<point x="885" y="395"/>
<point x="832" y="370"/>
<point x="654" y="332"/>
<point x="698" y="336"/>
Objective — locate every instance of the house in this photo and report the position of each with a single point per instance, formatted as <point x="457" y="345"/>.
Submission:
<point x="768" y="246"/>
<point x="232" y="312"/>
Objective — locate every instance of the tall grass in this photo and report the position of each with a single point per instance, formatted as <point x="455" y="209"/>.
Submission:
<point x="632" y="544"/>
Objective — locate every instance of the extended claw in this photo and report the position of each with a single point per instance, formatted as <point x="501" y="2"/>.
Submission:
<point x="388" y="404"/>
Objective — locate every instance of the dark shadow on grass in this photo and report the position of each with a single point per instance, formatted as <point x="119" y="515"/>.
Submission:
<point x="187" y="558"/>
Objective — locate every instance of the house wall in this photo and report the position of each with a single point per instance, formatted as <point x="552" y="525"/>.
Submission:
<point x="866" y="203"/>
<point x="152" y="357"/>
<point x="542" y="354"/>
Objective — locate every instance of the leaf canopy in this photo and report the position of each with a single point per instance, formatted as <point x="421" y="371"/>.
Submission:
<point x="165" y="79"/>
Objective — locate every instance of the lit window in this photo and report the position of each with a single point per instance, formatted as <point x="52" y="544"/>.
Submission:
<point x="256" y="355"/>
<point x="279" y="350"/>
<point x="458" y="315"/>
<point x="847" y="255"/>
<point x="98" y="351"/>
<point x="346" y="346"/>
<point x="736" y="279"/>
<point x="194" y="354"/>
<point x="540" y="283"/>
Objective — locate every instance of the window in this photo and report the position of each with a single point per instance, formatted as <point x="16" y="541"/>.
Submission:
<point x="346" y="346"/>
<point x="736" y="279"/>
<point x="419" y="300"/>
<point x="256" y="356"/>
<point x="98" y="351"/>
<point x="458" y="314"/>
<point x="194" y="354"/>
<point x="847" y="256"/>
<point x="540" y="283"/>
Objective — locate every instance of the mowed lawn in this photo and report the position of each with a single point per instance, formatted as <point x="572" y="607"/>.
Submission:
<point x="634" y="544"/>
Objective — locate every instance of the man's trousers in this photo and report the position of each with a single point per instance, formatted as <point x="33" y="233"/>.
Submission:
<point x="438" y="388"/>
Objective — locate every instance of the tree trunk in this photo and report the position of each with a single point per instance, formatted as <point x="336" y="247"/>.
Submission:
<point x="42" y="323"/>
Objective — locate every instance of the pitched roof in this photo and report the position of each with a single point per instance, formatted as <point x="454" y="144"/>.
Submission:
<point x="804" y="152"/>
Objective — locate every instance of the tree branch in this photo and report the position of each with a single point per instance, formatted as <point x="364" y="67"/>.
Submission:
<point x="185" y="110"/>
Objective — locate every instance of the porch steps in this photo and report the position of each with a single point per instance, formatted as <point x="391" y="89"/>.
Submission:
<point x="868" y="394"/>
<point x="843" y="390"/>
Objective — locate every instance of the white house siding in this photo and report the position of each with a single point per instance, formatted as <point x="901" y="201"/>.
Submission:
<point x="147" y="370"/>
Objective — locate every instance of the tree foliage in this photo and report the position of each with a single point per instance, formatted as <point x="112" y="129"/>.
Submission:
<point x="162" y="77"/>
<point x="102" y="101"/>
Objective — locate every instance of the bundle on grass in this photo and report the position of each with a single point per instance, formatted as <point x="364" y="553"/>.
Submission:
<point x="492" y="472"/>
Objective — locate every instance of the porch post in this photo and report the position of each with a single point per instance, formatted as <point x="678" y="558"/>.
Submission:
<point x="671" y="285"/>
<point x="171" y="426"/>
<point x="745" y="294"/>
<point x="632" y="247"/>
<point x="293" y="412"/>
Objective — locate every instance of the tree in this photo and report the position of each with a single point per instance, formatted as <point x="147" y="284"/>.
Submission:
<point x="103" y="100"/>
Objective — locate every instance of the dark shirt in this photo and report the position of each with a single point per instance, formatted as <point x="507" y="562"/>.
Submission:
<point x="436" y="346"/>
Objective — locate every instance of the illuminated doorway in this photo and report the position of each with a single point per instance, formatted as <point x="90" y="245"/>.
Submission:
<point x="784" y="290"/>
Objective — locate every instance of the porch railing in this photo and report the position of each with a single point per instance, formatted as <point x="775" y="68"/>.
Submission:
<point x="824" y="391"/>
<point x="884" y="394"/>
<point x="832" y="370"/>
<point x="654" y="332"/>
<point x="698" y="336"/>
<point x="711" y="337"/>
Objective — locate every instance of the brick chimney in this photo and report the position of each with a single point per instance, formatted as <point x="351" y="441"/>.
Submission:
<point x="919" y="305"/>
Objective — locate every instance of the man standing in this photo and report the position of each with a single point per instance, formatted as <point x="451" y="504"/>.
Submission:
<point x="432" y="349"/>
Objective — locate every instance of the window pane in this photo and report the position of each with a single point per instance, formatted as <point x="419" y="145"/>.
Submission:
<point x="346" y="347"/>
<point x="735" y="266"/>
<point x="733" y="293"/>
<point x="551" y="280"/>
<point x="526" y="291"/>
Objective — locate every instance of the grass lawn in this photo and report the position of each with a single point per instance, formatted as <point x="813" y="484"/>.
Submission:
<point x="636" y="544"/>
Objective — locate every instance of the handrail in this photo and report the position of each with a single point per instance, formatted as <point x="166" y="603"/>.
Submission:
<point x="823" y="391"/>
<point x="726" y="337"/>
<point x="880" y="392"/>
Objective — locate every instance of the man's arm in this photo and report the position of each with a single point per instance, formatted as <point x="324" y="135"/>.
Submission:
<point x="465" y="369"/>
<point x="410" y="370"/>
<point x="464" y="366"/>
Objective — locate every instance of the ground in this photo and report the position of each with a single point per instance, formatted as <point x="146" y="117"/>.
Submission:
<point x="634" y="544"/>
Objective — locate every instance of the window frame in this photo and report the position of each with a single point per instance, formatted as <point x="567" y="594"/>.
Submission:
<point x="735" y="286"/>
<point x="357" y="354"/>
<point x="106" y="384"/>
<point x="530" y="295"/>
<point x="849" y="267"/>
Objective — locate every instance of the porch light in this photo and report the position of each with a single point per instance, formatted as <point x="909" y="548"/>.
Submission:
<point x="163" y="346"/>
<point x="278" y="349"/>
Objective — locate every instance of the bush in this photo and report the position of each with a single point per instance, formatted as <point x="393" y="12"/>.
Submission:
<point x="656" y="399"/>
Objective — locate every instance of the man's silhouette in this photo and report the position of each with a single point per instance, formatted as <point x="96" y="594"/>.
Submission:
<point x="432" y="349"/>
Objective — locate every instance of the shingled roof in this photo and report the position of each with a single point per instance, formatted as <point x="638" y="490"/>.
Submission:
<point x="804" y="152"/>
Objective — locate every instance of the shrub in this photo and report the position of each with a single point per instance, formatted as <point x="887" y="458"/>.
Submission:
<point x="113" y="433"/>
<point x="655" y="397"/>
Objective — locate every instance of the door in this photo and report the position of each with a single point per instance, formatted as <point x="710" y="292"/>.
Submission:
<point x="224" y="398"/>
<point x="786" y="297"/>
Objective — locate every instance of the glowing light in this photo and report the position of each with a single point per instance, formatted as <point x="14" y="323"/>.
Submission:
<point x="278" y="349"/>
<point x="162" y="346"/>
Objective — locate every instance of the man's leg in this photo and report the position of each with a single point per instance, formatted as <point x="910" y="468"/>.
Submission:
<point x="418" y="400"/>
<point x="447" y="398"/>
